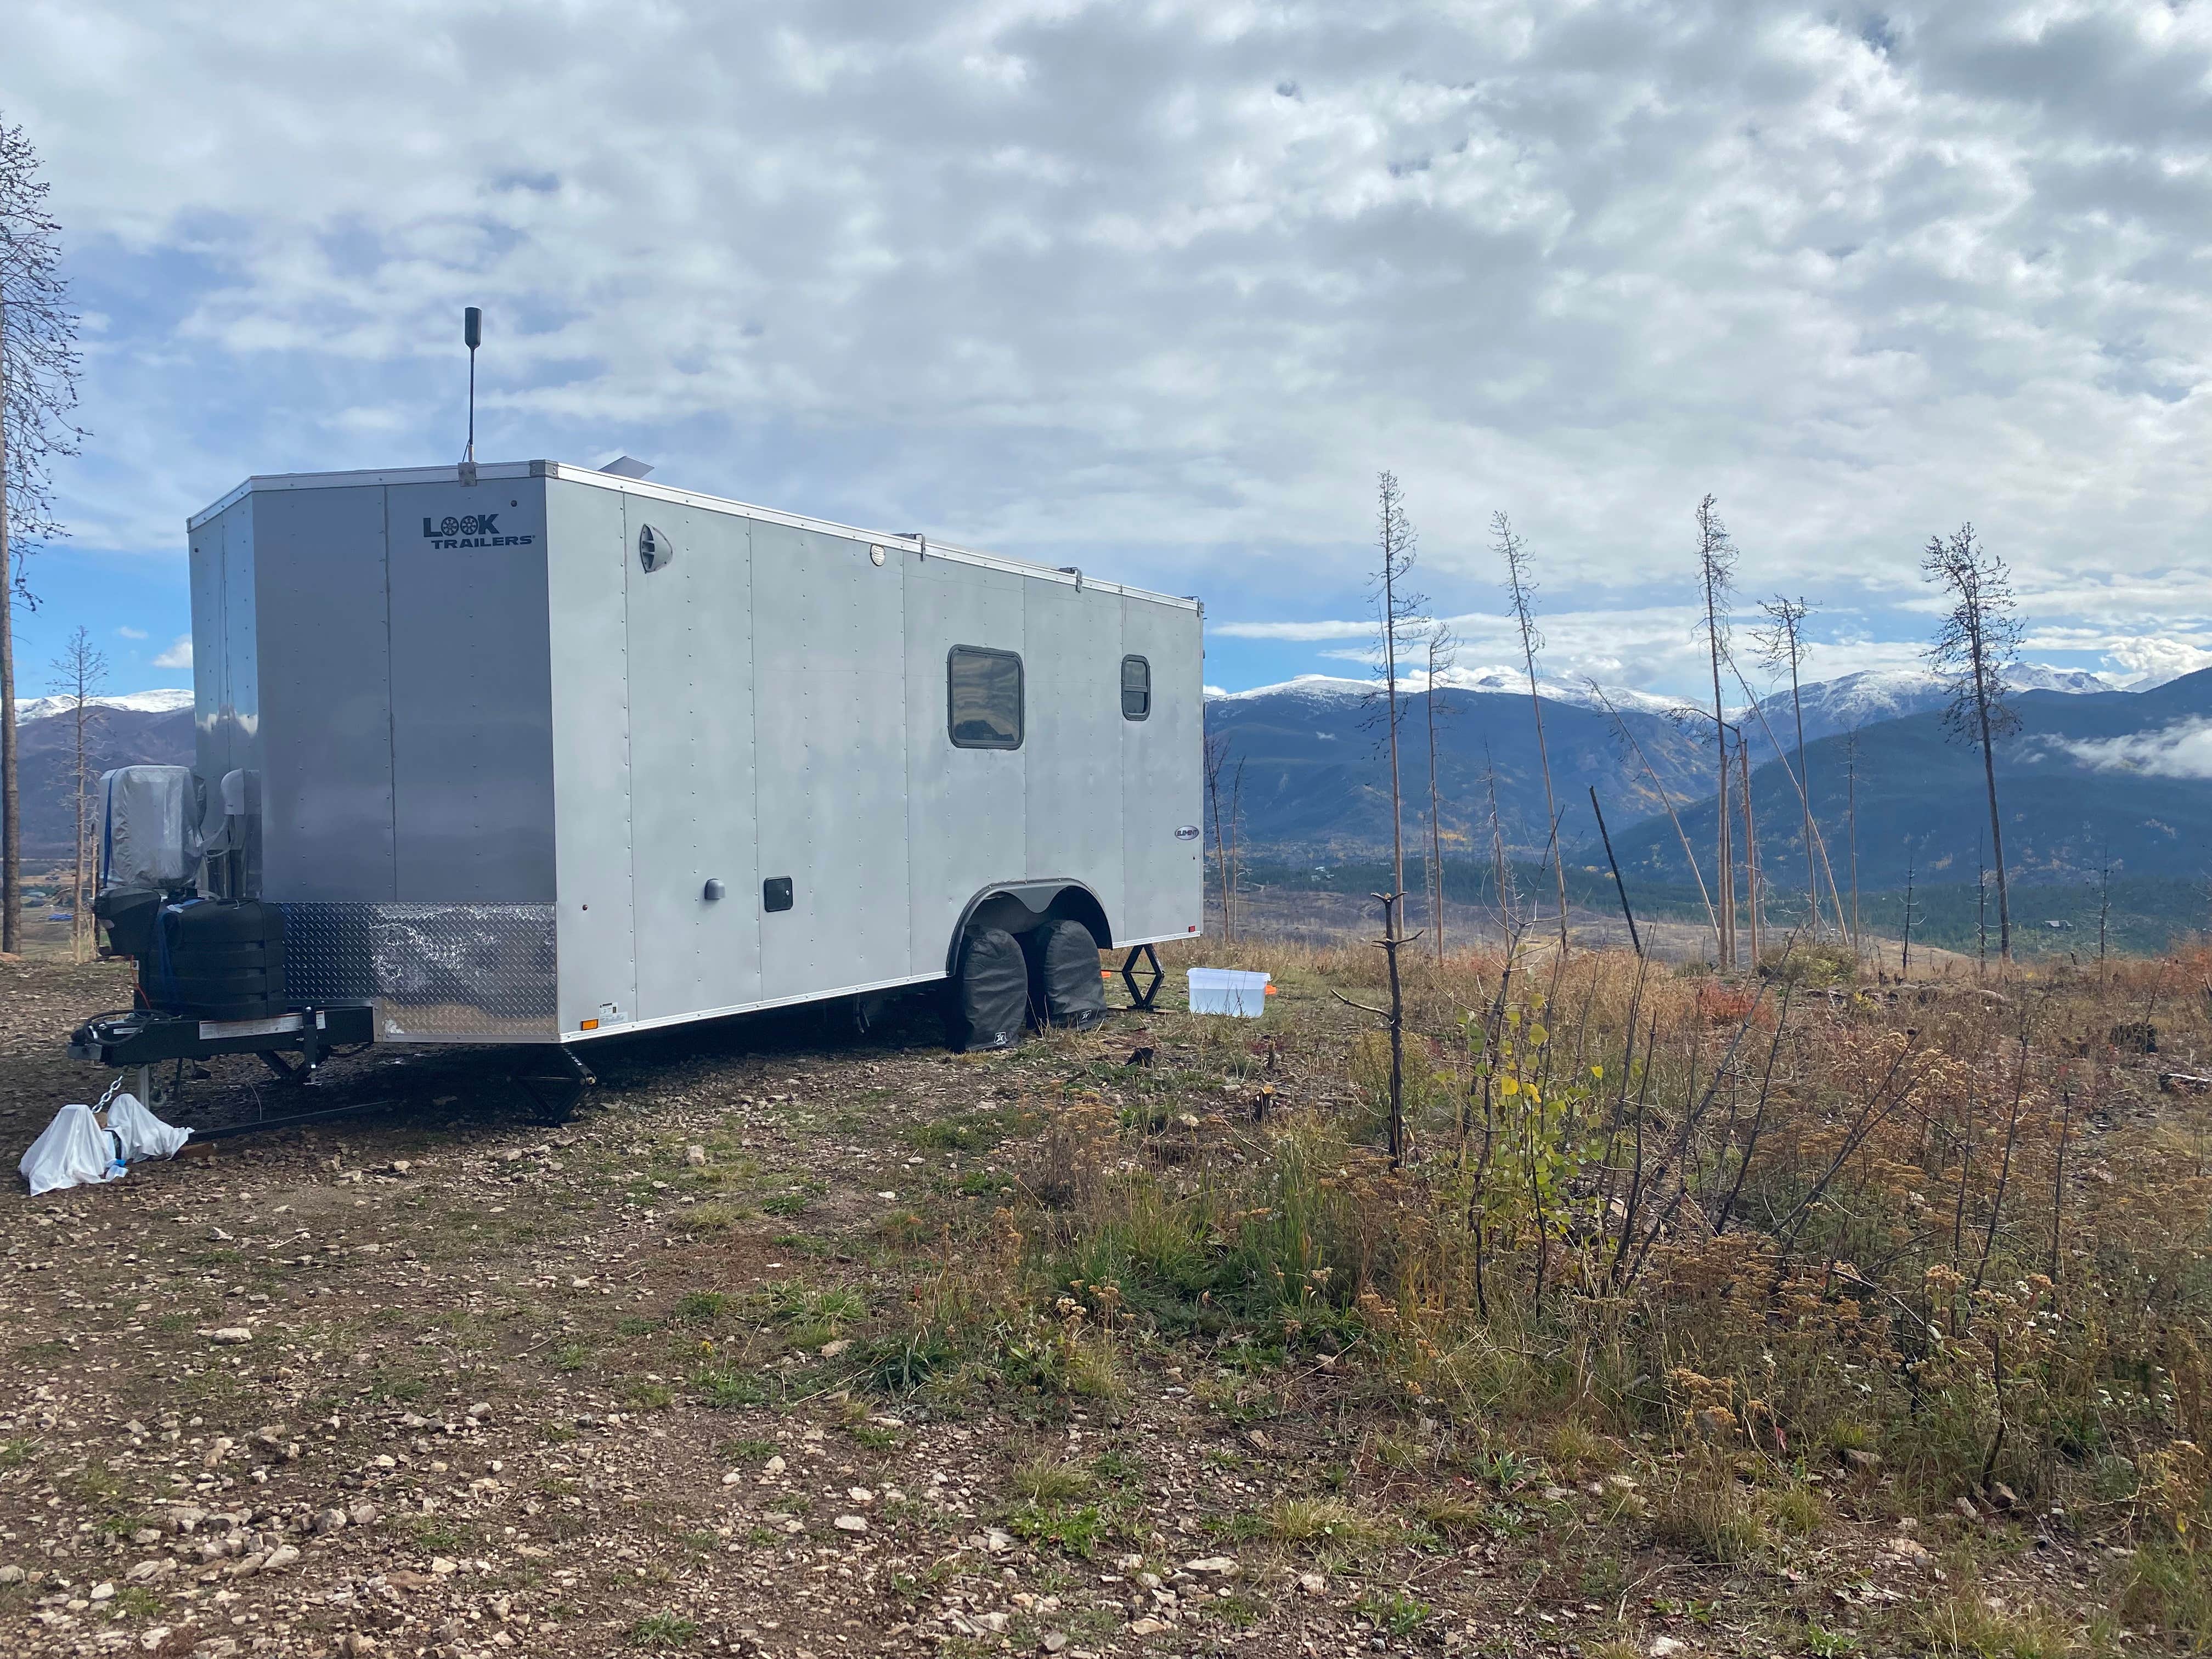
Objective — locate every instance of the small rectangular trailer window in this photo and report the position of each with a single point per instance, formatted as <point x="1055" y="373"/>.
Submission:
<point x="985" y="695"/>
<point x="1136" y="688"/>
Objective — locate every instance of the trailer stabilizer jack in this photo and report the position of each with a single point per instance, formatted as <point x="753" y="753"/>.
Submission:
<point x="1141" y="1000"/>
<point x="557" y="1090"/>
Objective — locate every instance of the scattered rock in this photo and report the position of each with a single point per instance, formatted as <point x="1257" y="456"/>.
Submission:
<point x="329" y="1520"/>
<point x="1214" y="1566"/>
<point x="696" y="1157"/>
<point x="280" y="1558"/>
<point x="1864" y="1462"/>
<point x="850" y="1524"/>
<point x="997" y="1542"/>
<point x="230" y="1336"/>
<point x="733" y="1477"/>
<point x="1908" y="1549"/>
<point x="1053" y="1642"/>
<point x="1312" y="1583"/>
<point x="1146" y="1626"/>
<point x="1662" y="1646"/>
<point x="831" y="1350"/>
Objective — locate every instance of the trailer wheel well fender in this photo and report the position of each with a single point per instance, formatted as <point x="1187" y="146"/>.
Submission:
<point x="1019" y="906"/>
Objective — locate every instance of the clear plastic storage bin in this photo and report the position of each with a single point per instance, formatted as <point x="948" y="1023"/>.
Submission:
<point x="1228" y="991"/>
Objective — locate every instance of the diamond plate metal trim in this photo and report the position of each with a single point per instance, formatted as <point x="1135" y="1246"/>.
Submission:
<point x="435" y="972"/>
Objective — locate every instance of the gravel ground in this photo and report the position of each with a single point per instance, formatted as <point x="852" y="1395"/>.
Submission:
<point x="440" y="1379"/>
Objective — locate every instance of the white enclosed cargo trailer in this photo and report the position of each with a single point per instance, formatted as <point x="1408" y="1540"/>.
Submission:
<point x="536" y="753"/>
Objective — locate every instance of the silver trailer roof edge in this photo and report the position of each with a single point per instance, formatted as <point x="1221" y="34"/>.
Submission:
<point x="571" y="473"/>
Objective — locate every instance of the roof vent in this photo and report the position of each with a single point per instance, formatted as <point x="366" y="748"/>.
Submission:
<point x="626" y="466"/>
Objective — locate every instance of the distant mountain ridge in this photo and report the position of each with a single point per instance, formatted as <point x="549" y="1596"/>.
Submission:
<point x="2095" y="767"/>
<point x="133" y="728"/>
<point x="2123" y="776"/>
<point x="1861" y="698"/>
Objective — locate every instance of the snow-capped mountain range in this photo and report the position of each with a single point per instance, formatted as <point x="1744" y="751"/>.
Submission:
<point x="165" y="702"/>
<point x="1829" y="706"/>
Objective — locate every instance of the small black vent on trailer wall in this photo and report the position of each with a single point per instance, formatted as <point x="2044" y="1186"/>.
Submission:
<point x="775" y="893"/>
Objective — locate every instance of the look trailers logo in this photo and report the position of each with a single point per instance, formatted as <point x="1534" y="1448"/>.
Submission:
<point x="470" y="529"/>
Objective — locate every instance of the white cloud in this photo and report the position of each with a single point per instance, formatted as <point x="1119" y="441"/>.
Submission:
<point x="130" y="633"/>
<point x="179" y="655"/>
<point x="2183" y="750"/>
<point x="2155" y="661"/>
<point x="1169" y="283"/>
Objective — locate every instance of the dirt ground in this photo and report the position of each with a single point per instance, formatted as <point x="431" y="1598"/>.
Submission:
<point x="440" y="1379"/>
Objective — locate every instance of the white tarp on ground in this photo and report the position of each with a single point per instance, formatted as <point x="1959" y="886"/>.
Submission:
<point x="77" y="1150"/>
<point x="143" y="1134"/>
<point x="149" y="826"/>
<point x="74" y="1152"/>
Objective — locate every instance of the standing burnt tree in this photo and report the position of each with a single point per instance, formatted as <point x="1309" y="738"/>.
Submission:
<point x="1442" y="648"/>
<point x="1397" y="613"/>
<point x="1974" y="651"/>
<point x="1521" y="593"/>
<point x="1782" y="644"/>
<point x="38" y="394"/>
<point x="1717" y="574"/>
<point x="80" y="675"/>
<point x="1215" y="759"/>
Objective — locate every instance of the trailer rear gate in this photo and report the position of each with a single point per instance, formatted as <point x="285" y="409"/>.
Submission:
<point x="502" y="752"/>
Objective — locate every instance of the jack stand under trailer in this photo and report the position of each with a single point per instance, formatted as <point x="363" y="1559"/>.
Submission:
<point x="557" y="1095"/>
<point x="1141" y="1000"/>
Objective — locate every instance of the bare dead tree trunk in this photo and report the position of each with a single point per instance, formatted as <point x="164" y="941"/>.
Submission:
<point x="11" y="810"/>
<point x="1235" y="836"/>
<point x="1715" y="569"/>
<point x="1713" y="915"/>
<point x="1852" y="814"/>
<point x="1750" y="843"/>
<point x="1215" y="757"/>
<point x="1440" y="653"/>
<point x="1394" y="537"/>
<point x="1783" y="645"/>
<point x="79" y="672"/>
<point x="1497" y="850"/>
<point x="1522" y="591"/>
<point x="1976" y="644"/>
<point x="2104" y="911"/>
<point x="1905" y="966"/>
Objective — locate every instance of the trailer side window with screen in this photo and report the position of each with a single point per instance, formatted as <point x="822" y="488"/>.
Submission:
<point x="985" y="698"/>
<point x="1136" y="688"/>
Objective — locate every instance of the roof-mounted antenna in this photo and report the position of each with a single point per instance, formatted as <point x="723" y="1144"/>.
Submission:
<point x="472" y="336"/>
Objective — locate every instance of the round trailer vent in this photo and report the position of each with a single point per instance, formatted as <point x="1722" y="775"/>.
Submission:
<point x="654" y="550"/>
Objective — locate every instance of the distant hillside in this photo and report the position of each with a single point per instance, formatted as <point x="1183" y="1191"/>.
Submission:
<point x="126" y="733"/>
<point x="2127" y="772"/>
<point x="1315" y="775"/>
<point x="1873" y="696"/>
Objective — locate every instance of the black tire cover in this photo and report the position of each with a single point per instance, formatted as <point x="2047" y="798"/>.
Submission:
<point x="990" y="1005"/>
<point x="1065" y="989"/>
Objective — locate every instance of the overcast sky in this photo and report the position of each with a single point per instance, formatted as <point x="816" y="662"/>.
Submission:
<point x="1156" y="289"/>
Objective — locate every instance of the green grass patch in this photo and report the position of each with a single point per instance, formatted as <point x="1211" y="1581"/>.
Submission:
<point x="664" y="1629"/>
